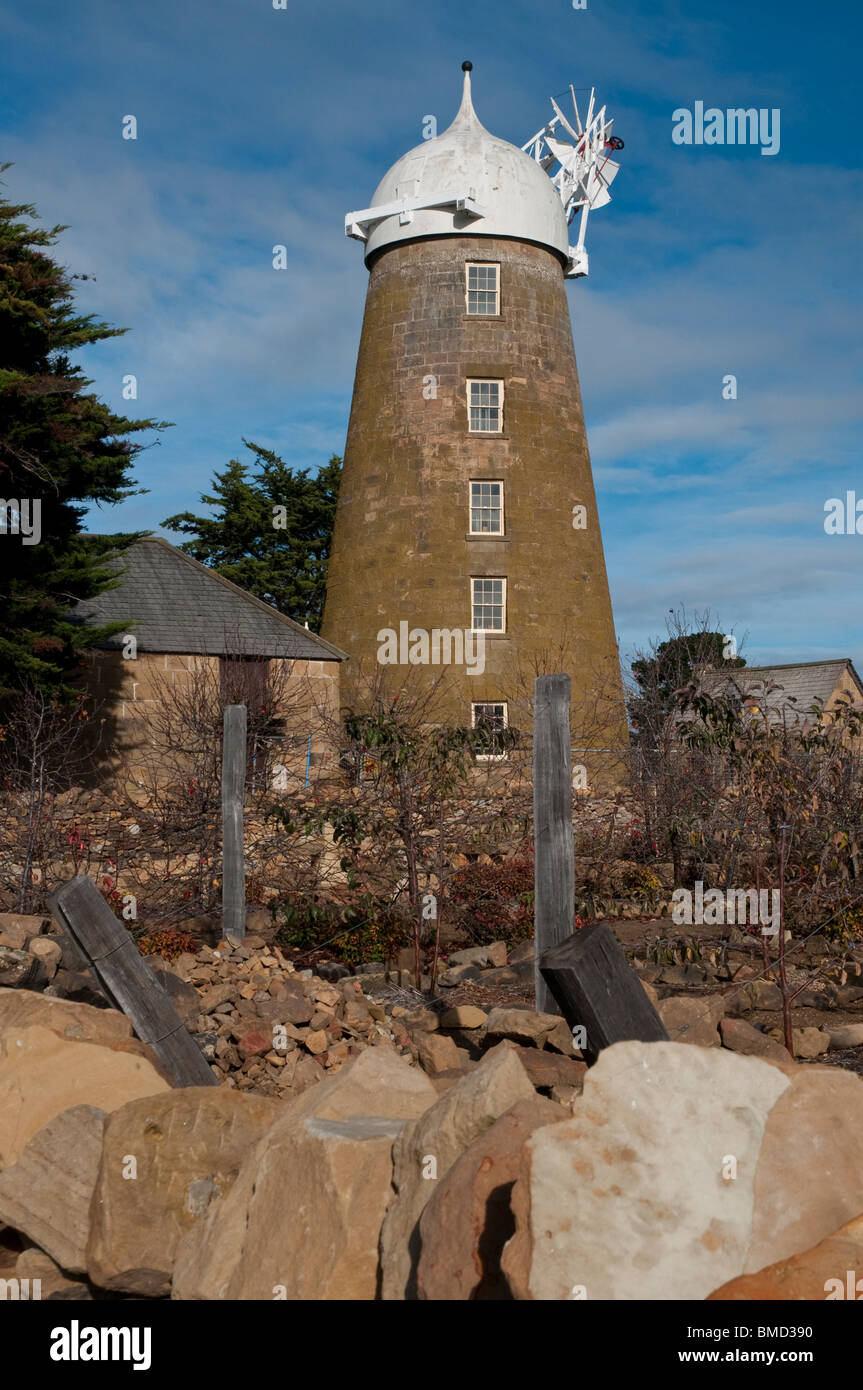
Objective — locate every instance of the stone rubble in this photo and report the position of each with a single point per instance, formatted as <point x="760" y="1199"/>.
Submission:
<point x="369" y="1141"/>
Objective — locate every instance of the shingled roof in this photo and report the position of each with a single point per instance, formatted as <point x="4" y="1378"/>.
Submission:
<point x="803" y="683"/>
<point x="174" y="604"/>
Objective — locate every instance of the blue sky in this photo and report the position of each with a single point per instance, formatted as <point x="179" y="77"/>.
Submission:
<point x="259" y="126"/>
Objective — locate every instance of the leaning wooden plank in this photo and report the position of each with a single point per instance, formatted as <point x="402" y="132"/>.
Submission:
<point x="80" y="908"/>
<point x="590" y="978"/>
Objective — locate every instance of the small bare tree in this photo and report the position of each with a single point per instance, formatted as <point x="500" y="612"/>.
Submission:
<point x="422" y="790"/>
<point x="172" y="771"/>
<point x="673" y="783"/>
<point x="792" y="806"/>
<point x="47" y="749"/>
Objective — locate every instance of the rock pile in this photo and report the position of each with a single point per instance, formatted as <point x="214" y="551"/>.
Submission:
<point x="269" y="1028"/>
<point x="272" y="1029"/>
<point x="364" y="1142"/>
<point x="679" y="1172"/>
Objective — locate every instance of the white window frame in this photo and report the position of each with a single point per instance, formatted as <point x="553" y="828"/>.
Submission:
<point x="486" y="265"/>
<point x="486" y="381"/>
<point x="498" y="578"/>
<point x="482" y="704"/>
<point x="498" y="482"/>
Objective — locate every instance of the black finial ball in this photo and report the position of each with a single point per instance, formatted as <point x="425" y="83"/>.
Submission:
<point x="467" y="67"/>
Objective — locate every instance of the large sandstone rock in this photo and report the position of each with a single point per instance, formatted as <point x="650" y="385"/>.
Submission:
<point x="441" y="1135"/>
<point x="187" y="1147"/>
<point x="77" y="1022"/>
<point x="16" y="928"/>
<point x="766" y="995"/>
<point x="520" y="1025"/>
<point x="463" y="1016"/>
<point x="681" y="1169"/>
<point x="739" y="1036"/>
<point x="313" y="1212"/>
<point x="692" y="1020"/>
<point x="468" y="1218"/>
<point x="48" y="952"/>
<point x="809" y="1179"/>
<point x="42" y="1074"/>
<point x="457" y="975"/>
<point x="438" y="1053"/>
<point x="818" y="1274"/>
<point x="303" y="1219"/>
<point x="377" y="1083"/>
<point x="472" y="955"/>
<point x="47" y="1193"/>
<point x="849" y="1036"/>
<point x="547" y="1069"/>
<point x="810" y="1042"/>
<point x="560" y="1040"/>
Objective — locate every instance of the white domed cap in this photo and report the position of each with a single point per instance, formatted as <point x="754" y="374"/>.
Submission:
<point x="514" y="195"/>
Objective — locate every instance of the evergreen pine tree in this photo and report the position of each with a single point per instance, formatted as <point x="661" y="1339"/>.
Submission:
<point x="60" y="448"/>
<point x="271" y="532"/>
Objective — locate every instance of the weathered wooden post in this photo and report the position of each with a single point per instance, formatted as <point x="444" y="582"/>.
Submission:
<point x="597" y="991"/>
<point x="233" y="788"/>
<point x="88" y="921"/>
<point x="554" y="854"/>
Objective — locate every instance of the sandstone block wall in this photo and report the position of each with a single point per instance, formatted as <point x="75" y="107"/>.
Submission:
<point x="401" y="547"/>
<point x="126" y="692"/>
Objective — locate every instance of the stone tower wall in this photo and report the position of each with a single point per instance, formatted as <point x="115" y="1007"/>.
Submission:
<point x="401" y="550"/>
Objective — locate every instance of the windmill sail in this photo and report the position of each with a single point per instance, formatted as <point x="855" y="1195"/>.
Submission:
<point x="585" y="170"/>
<point x="596" y="192"/>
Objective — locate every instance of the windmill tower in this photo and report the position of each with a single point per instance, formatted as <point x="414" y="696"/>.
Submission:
<point x="467" y="507"/>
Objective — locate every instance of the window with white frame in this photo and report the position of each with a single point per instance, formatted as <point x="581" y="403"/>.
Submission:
<point x="482" y="291"/>
<point x="491" y="719"/>
<point x="488" y="605"/>
<point x="485" y="406"/>
<point x="486" y="508"/>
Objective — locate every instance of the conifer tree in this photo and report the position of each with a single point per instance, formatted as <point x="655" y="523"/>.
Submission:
<point x="60" y="449"/>
<point x="271" y="531"/>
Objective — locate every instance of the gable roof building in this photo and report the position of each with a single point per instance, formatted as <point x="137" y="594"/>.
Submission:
<point x="174" y="604"/>
<point x="200" y="642"/>
<point x="799" y="686"/>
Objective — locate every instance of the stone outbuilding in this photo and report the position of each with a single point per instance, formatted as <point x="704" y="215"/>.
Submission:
<point x="790" y="691"/>
<point x="192" y="641"/>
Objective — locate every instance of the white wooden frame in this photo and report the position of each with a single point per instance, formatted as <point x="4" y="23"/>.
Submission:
<point x="497" y="482"/>
<point x="482" y="704"/>
<point x="485" y="381"/>
<point x="498" y="579"/>
<point x="486" y="265"/>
